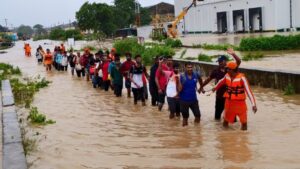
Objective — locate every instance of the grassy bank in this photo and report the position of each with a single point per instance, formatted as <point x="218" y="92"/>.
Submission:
<point x="277" y="42"/>
<point x="24" y="90"/>
<point x="148" y="52"/>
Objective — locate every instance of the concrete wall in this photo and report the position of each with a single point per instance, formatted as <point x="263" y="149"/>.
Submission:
<point x="257" y="77"/>
<point x="144" y="31"/>
<point x="203" y="18"/>
<point x="13" y="152"/>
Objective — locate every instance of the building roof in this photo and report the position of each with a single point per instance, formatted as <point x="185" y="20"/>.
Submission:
<point x="161" y="9"/>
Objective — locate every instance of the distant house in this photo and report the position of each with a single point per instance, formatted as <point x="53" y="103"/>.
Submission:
<point x="165" y="11"/>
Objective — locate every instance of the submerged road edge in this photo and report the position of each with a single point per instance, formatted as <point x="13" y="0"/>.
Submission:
<point x="13" y="156"/>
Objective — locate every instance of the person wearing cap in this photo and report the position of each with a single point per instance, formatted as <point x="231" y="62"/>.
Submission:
<point x="219" y="74"/>
<point x="237" y="87"/>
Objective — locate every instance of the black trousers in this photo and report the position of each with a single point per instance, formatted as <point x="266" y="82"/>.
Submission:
<point x="64" y="68"/>
<point x="219" y="107"/>
<point x="154" y="94"/>
<point x="106" y="84"/>
<point x="118" y="89"/>
<point x="138" y="94"/>
<point x="161" y="97"/>
<point x="174" y="105"/>
<point x="185" y="106"/>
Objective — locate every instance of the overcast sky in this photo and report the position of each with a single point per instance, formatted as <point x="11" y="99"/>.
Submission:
<point x="47" y="12"/>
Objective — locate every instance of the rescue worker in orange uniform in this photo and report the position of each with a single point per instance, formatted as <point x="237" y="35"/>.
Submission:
<point x="48" y="59"/>
<point x="27" y="49"/>
<point x="237" y="87"/>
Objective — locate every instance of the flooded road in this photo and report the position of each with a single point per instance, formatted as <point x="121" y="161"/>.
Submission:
<point x="96" y="130"/>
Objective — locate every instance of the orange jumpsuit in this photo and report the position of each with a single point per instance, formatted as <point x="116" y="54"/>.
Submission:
<point x="48" y="59"/>
<point x="235" y="104"/>
<point x="27" y="49"/>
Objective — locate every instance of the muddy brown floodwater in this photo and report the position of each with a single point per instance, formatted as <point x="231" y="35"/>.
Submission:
<point x="95" y="130"/>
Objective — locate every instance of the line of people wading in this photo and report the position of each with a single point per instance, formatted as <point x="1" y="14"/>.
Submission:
<point x="165" y="81"/>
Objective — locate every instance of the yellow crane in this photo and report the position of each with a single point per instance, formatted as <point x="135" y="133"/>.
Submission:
<point x="172" y="28"/>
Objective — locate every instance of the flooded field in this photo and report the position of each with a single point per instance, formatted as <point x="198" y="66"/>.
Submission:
<point x="273" y="60"/>
<point x="280" y="60"/>
<point x="95" y="130"/>
<point x="234" y="39"/>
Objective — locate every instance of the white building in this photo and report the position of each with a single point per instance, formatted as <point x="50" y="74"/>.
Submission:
<point x="222" y="16"/>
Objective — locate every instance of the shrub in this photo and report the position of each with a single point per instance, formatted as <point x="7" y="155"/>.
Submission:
<point x="147" y="52"/>
<point x="204" y="58"/>
<point x="40" y="37"/>
<point x="73" y="33"/>
<point x="218" y="47"/>
<point x="57" y="34"/>
<point x="127" y="45"/>
<point x="174" y="43"/>
<point x="190" y="58"/>
<point x="7" y="71"/>
<point x="36" y="117"/>
<point x="277" y="42"/>
<point x="156" y="50"/>
<point x="196" y="46"/>
<point x="289" y="90"/>
<point x="252" y="56"/>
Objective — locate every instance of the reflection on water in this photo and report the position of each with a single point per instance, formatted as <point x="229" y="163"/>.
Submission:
<point x="95" y="130"/>
<point x="234" y="146"/>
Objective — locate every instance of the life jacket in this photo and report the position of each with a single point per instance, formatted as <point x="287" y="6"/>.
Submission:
<point x="235" y="89"/>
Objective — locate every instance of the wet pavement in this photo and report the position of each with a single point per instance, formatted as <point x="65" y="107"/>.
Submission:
<point x="96" y="130"/>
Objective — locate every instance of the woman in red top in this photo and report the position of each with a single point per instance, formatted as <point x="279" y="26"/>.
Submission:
<point x="105" y="65"/>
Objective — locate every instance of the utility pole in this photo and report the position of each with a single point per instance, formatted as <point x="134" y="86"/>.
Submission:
<point x="137" y="14"/>
<point x="5" y="22"/>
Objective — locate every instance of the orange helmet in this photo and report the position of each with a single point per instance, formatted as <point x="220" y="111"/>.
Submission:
<point x="231" y="65"/>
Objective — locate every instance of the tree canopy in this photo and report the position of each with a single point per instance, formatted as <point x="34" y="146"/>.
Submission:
<point x="103" y="18"/>
<point x="24" y="31"/>
<point x="39" y="29"/>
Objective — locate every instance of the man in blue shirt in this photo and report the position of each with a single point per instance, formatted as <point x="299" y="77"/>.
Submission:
<point x="188" y="94"/>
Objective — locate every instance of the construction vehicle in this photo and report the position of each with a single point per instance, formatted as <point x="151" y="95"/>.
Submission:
<point x="172" y="28"/>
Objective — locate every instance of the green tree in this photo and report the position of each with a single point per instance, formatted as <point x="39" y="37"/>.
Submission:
<point x="86" y="16"/>
<point x="145" y="16"/>
<point x="126" y="12"/>
<point x="98" y="17"/>
<point x="3" y="29"/>
<point x="57" y="34"/>
<point x="39" y="29"/>
<point x="73" y="33"/>
<point x="24" y="31"/>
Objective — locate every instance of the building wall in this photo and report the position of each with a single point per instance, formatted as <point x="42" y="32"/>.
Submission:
<point x="282" y="14"/>
<point x="203" y="18"/>
<point x="296" y="13"/>
<point x="144" y="31"/>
